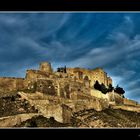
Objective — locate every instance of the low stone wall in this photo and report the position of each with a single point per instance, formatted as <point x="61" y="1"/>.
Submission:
<point x="54" y="111"/>
<point x="95" y="104"/>
<point x="8" y="84"/>
<point x="85" y="102"/>
<point x="129" y="102"/>
<point x="61" y="109"/>
<point x="97" y="94"/>
<point x="11" y="121"/>
<point x="66" y="113"/>
<point x="114" y="97"/>
<point x="61" y="113"/>
<point x="128" y="108"/>
<point x="49" y="106"/>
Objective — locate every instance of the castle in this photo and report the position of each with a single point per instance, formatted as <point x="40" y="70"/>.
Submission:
<point x="60" y="93"/>
<point x="65" y="82"/>
<point x="82" y="77"/>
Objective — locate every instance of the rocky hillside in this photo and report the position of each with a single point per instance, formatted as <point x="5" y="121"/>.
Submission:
<point x="13" y="105"/>
<point x="41" y="121"/>
<point x="108" y="118"/>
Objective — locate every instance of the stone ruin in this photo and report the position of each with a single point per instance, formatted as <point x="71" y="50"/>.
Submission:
<point x="60" y="92"/>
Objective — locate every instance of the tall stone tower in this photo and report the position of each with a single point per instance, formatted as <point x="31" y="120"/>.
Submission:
<point x="45" y="67"/>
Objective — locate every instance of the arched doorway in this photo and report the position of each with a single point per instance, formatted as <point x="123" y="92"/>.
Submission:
<point x="86" y="78"/>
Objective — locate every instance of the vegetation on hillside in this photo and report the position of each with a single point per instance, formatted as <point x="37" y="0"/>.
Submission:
<point x="110" y="88"/>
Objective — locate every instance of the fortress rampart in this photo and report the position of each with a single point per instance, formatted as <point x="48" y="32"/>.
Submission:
<point x="11" y="84"/>
<point x="67" y="83"/>
<point x="60" y="93"/>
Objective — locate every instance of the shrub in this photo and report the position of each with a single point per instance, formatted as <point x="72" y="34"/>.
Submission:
<point x="103" y="89"/>
<point x="110" y="88"/>
<point x="119" y="90"/>
<point x="97" y="85"/>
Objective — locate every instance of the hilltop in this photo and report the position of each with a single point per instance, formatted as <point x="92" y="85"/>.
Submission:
<point x="68" y="97"/>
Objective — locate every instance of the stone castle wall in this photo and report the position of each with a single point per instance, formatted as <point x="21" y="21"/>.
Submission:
<point x="46" y="67"/>
<point x="93" y="75"/>
<point x="114" y="97"/>
<point x="60" y="87"/>
<point x="75" y="80"/>
<point x="109" y="81"/>
<point x="36" y="74"/>
<point x="11" y="84"/>
<point x="73" y="90"/>
<point x="98" y="94"/>
<point x="101" y="76"/>
<point x="129" y="102"/>
<point x="86" y="102"/>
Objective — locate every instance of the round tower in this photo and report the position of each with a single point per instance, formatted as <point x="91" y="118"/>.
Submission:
<point x="45" y="67"/>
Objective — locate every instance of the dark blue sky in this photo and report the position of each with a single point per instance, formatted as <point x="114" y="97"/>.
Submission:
<point x="108" y="40"/>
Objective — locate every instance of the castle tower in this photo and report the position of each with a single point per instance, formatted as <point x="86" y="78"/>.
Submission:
<point x="45" y="67"/>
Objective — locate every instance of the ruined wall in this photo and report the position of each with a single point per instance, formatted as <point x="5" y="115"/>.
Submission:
<point x="101" y="76"/>
<point x="114" y="97"/>
<point x="93" y="75"/>
<point x="45" y="67"/>
<point x="61" y="87"/>
<point x="69" y="87"/>
<point x="80" y="73"/>
<point x="66" y="113"/>
<point x="76" y="80"/>
<point x="109" y="81"/>
<point x="20" y="83"/>
<point x="97" y="94"/>
<point x="61" y="75"/>
<point x="85" y="102"/>
<point x="8" y="84"/>
<point x="11" y="121"/>
<point x="36" y="74"/>
<point x="129" y="102"/>
<point x="46" y="86"/>
<point x="126" y="107"/>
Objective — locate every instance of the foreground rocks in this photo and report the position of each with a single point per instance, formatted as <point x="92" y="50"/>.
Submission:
<point x="41" y="121"/>
<point x="108" y="118"/>
<point x="38" y="110"/>
<point x="13" y="105"/>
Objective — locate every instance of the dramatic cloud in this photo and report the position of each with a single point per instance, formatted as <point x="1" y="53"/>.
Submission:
<point x="108" y="40"/>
